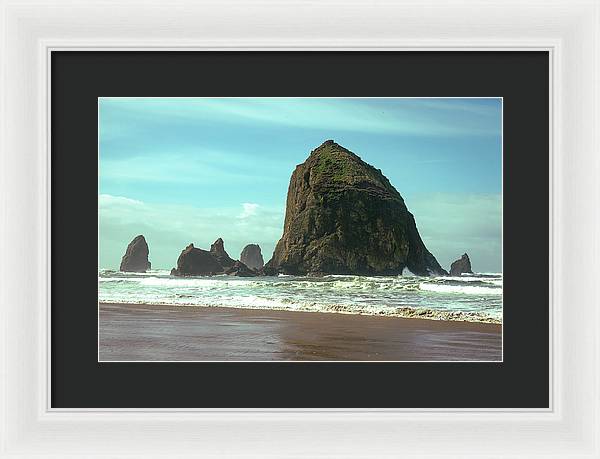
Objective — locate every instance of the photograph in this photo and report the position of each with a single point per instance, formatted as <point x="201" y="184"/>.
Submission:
<point x="295" y="229"/>
<point x="278" y="230"/>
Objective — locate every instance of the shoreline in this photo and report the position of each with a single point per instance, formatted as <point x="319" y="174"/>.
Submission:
<point x="146" y="332"/>
<point x="412" y="313"/>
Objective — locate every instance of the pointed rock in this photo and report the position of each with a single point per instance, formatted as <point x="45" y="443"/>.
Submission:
<point x="217" y="249"/>
<point x="136" y="256"/>
<point x="344" y="217"/>
<point x="462" y="265"/>
<point x="252" y="257"/>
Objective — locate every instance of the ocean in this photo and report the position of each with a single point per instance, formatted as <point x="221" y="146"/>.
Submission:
<point x="473" y="298"/>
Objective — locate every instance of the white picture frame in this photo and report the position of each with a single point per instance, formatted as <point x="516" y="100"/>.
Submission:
<point x="568" y="29"/>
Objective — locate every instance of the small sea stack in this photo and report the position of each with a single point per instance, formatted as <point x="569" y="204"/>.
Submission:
<point x="136" y="256"/>
<point x="196" y="262"/>
<point x="252" y="257"/>
<point x="460" y="266"/>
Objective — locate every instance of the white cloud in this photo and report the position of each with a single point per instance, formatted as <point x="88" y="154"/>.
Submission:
<point x="250" y="209"/>
<point x="110" y="200"/>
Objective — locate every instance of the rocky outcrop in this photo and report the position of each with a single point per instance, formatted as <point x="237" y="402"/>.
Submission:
<point x="136" y="256"/>
<point x="460" y="266"/>
<point x="252" y="257"/>
<point x="344" y="217"/>
<point x="217" y="250"/>
<point x="196" y="262"/>
<point x="241" y="270"/>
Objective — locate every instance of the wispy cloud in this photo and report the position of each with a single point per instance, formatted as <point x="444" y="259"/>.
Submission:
<point x="249" y="209"/>
<point x="107" y="201"/>
<point x="184" y="166"/>
<point x="431" y="117"/>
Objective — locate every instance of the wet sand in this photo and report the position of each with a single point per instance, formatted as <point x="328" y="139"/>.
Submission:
<point x="169" y="333"/>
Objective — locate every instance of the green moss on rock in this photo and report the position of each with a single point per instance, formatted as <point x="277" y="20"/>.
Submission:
<point x="343" y="216"/>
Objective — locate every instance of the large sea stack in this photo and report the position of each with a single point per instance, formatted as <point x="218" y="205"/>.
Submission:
<point x="252" y="257"/>
<point x="136" y="256"/>
<point x="344" y="217"/>
<point x="462" y="265"/>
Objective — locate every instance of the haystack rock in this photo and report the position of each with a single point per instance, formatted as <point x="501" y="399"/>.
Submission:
<point x="196" y="262"/>
<point x="136" y="256"/>
<point x="344" y="217"/>
<point x="241" y="270"/>
<point x="462" y="265"/>
<point x="252" y="257"/>
<point x="217" y="250"/>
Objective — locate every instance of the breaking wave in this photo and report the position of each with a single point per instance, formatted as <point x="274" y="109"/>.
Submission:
<point x="476" y="298"/>
<point x="464" y="289"/>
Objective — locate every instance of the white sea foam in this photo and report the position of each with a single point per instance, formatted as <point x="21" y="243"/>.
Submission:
<point x="464" y="289"/>
<point x="476" y="298"/>
<point x="468" y="279"/>
<point x="250" y="302"/>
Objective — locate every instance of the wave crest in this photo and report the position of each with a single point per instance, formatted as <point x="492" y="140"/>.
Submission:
<point x="476" y="298"/>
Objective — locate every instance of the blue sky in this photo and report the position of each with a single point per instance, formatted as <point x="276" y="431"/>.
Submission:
<point x="181" y="170"/>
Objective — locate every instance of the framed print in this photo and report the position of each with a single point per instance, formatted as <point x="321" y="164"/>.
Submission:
<point x="332" y="301"/>
<point x="324" y="231"/>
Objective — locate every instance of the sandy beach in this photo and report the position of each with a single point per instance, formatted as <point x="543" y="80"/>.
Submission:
<point x="129" y="332"/>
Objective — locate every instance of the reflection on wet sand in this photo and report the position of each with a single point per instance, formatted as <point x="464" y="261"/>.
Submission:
<point x="168" y="333"/>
